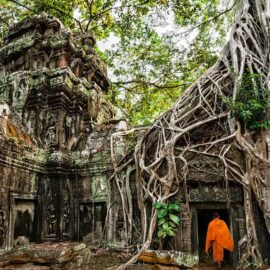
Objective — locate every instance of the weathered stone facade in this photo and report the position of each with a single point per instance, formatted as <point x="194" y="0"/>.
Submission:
<point x="55" y="126"/>
<point x="55" y="160"/>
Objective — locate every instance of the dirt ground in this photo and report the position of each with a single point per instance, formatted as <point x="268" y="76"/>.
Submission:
<point x="105" y="259"/>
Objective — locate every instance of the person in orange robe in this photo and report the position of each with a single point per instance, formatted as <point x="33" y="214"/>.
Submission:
<point x="218" y="237"/>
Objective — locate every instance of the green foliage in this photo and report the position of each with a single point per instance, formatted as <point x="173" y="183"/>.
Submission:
<point x="168" y="218"/>
<point x="149" y="67"/>
<point x="250" y="106"/>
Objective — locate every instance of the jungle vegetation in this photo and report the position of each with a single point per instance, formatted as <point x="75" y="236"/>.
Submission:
<point x="154" y="49"/>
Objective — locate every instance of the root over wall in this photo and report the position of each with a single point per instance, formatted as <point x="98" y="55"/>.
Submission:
<point x="201" y="124"/>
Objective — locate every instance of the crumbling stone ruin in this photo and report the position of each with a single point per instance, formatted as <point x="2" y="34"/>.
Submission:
<point x="55" y="126"/>
<point x="201" y="153"/>
<point x="64" y="172"/>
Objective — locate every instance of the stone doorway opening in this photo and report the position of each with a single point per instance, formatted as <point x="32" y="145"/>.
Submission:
<point x="92" y="217"/>
<point x="25" y="220"/>
<point x="204" y="216"/>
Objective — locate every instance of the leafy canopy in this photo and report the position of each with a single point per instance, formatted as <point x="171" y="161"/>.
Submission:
<point x="250" y="106"/>
<point x="155" y="48"/>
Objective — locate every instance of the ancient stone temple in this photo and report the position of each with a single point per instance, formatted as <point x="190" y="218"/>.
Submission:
<point x="60" y="180"/>
<point x="55" y="126"/>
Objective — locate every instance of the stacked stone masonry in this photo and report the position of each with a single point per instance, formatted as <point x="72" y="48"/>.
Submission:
<point x="55" y="127"/>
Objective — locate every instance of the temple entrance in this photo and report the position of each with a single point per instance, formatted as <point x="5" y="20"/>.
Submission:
<point x="25" y="219"/>
<point x="92" y="221"/>
<point x="204" y="216"/>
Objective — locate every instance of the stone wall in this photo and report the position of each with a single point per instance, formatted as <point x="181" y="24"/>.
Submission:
<point x="55" y="151"/>
<point x="55" y="128"/>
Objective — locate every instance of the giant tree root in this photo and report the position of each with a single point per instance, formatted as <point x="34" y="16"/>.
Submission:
<point x="201" y="124"/>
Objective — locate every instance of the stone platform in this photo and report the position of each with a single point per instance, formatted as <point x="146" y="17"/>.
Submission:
<point x="62" y="256"/>
<point x="47" y="256"/>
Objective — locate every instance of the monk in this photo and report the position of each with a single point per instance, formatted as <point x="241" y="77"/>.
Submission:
<point x="218" y="237"/>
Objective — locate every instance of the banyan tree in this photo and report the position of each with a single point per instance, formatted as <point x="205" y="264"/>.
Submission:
<point x="211" y="149"/>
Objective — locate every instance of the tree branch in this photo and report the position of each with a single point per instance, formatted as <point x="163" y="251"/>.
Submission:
<point x="21" y="5"/>
<point x="210" y="20"/>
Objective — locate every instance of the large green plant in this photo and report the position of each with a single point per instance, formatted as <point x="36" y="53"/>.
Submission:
<point x="168" y="218"/>
<point x="250" y="106"/>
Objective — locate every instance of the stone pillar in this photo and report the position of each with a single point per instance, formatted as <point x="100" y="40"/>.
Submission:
<point x="241" y="221"/>
<point x="186" y="230"/>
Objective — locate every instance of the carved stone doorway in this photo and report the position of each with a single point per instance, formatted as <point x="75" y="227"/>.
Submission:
<point x="92" y="217"/>
<point x="204" y="217"/>
<point x="202" y="214"/>
<point x="25" y="220"/>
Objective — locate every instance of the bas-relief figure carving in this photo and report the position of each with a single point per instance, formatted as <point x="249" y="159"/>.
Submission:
<point x="52" y="215"/>
<point x="66" y="212"/>
<point x="52" y="93"/>
<point x="4" y="113"/>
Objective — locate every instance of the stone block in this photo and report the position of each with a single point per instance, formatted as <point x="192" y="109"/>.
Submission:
<point x="172" y="258"/>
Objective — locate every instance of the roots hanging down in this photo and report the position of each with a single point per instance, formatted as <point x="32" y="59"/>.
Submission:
<point x="201" y="126"/>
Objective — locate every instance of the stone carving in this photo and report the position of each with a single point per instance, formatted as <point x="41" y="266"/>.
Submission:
<point x="38" y="82"/>
<point x="51" y="135"/>
<point x="76" y="65"/>
<point x="55" y="86"/>
<point x="52" y="216"/>
<point x="19" y="90"/>
<point x="4" y="113"/>
<point x="99" y="187"/>
<point x="31" y="122"/>
<point x="51" y="132"/>
<point x="66" y="212"/>
<point x="120" y="227"/>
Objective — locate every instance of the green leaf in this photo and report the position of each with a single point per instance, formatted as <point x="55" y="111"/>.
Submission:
<point x="174" y="218"/>
<point x="173" y="225"/>
<point x="170" y="232"/>
<point x="165" y="226"/>
<point x="161" y="221"/>
<point x="160" y="205"/>
<point x="162" y="213"/>
<point x="174" y="206"/>
<point x="161" y="234"/>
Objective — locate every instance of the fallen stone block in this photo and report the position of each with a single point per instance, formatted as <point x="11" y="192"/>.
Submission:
<point x="172" y="258"/>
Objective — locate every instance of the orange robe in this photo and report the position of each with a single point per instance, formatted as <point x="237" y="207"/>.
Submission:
<point x="219" y="233"/>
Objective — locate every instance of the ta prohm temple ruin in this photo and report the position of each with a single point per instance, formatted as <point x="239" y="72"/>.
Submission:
<point x="74" y="178"/>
